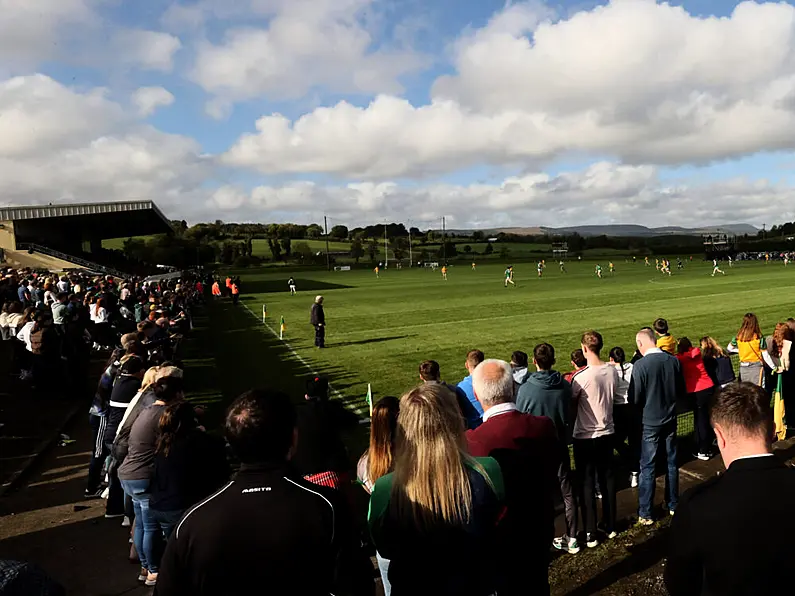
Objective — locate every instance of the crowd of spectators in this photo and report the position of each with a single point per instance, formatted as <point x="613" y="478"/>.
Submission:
<point x="456" y="492"/>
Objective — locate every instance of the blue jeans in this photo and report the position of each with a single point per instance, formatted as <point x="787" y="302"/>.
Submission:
<point x="146" y="528"/>
<point x="166" y="520"/>
<point x="383" y="568"/>
<point x="652" y="436"/>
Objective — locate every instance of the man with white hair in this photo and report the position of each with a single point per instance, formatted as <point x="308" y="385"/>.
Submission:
<point x="656" y="384"/>
<point x="318" y="319"/>
<point x="526" y="448"/>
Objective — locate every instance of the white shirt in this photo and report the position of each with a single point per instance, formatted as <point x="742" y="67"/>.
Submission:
<point x="498" y="409"/>
<point x="620" y="397"/>
<point x="63" y="286"/>
<point x="24" y="335"/>
<point x="99" y="315"/>
<point x="125" y="293"/>
<point x="653" y="351"/>
<point x="50" y="298"/>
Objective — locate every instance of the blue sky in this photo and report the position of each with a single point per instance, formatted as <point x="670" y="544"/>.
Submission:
<point x="539" y="113"/>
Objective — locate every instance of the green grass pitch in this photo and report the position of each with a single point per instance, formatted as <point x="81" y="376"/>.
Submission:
<point x="379" y="330"/>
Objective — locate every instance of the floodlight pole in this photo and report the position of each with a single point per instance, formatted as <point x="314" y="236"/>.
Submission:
<point x="411" y="258"/>
<point x="444" y="242"/>
<point x="386" y="250"/>
<point x="325" y="228"/>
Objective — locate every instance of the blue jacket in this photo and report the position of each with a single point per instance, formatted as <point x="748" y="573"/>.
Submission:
<point x="656" y="384"/>
<point x="466" y="388"/>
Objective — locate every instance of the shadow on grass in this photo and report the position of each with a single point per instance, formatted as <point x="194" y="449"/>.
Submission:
<point x="374" y="340"/>
<point x="267" y="286"/>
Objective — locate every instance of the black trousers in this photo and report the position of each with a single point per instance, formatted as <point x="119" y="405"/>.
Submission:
<point x="235" y="298"/>
<point x="320" y="336"/>
<point x="627" y="435"/>
<point x="99" y="451"/>
<point x="592" y="457"/>
<point x="700" y="401"/>
<point x="566" y="480"/>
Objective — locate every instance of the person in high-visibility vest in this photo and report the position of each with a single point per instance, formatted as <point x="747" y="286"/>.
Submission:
<point x="229" y="286"/>
<point x="235" y="293"/>
<point x="216" y="289"/>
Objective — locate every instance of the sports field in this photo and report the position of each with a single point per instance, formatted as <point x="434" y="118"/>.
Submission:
<point x="379" y="330"/>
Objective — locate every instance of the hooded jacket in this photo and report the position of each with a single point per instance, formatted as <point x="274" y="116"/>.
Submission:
<point x="547" y="393"/>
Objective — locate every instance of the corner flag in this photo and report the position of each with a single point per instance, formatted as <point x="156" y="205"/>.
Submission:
<point x="370" y="399"/>
<point x="264" y="312"/>
<point x="282" y="327"/>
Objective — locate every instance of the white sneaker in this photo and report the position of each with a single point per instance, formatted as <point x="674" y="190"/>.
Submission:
<point x="701" y="456"/>
<point x="611" y="535"/>
<point x="671" y="512"/>
<point x="634" y="479"/>
<point x="591" y="541"/>
<point x="566" y="544"/>
<point x="598" y="493"/>
<point x="126" y="523"/>
<point x="645" y="521"/>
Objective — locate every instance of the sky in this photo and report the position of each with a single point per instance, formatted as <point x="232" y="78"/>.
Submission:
<point x="487" y="113"/>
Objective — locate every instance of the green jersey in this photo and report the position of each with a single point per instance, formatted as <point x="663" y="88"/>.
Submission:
<point x="598" y="268"/>
<point x="508" y="274"/>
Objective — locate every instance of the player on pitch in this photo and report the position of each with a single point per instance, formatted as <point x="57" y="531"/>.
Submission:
<point x="509" y="276"/>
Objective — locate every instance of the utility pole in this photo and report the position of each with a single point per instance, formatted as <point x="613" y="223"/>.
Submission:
<point x="763" y="232"/>
<point x="328" y="257"/>
<point x="386" y="250"/>
<point x="411" y="258"/>
<point x="444" y="243"/>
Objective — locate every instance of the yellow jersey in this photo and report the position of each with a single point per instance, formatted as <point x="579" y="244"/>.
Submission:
<point x="667" y="343"/>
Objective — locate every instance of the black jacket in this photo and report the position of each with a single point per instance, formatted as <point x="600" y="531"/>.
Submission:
<point x="194" y="468"/>
<point x="318" y="316"/>
<point x="124" y="390"/>
<point x="726" y="535"/>
<point x="266" y="532"/>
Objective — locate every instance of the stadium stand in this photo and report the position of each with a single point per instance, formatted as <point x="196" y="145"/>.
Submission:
<point x="64" y="237"/>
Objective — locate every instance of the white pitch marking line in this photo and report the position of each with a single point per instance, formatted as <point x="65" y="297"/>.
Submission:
<point x="337" y="394"/>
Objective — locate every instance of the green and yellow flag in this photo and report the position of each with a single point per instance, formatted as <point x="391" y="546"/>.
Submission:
<point x="370" y="399"/>
<point x="282" y="327"/>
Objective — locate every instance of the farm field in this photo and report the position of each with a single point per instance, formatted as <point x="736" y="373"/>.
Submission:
<point x="379" y="330"/>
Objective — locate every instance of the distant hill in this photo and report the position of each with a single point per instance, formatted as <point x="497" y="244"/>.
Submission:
<point x="618" y="230"/>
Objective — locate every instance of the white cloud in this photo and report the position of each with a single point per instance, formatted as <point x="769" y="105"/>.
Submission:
<point x="59" y="144"/>
<point x="30" y="30"/>
<point x="600" y="194"/>
<point x="306" y="44"/>
<point x="636" y="80"/>
<point x="148" y="99"/>
<point x="148" y="50"/>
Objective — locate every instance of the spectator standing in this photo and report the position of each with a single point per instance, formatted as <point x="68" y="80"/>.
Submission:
<point x="526" y="447"/>
<point x="378" y="459"/>
<point x="578" y="362"/>
<point x="320" y="455"/>
<point x="699" y="387"/>
<point x="749" y="344"/>
<point x="135" y="474"/>
<point x="431" y="374"/>
<point x="593" y="388"/>
<point x="474" y="358"/>
<point x="259" y="529"/>
<point x="718" y="364"/>
<point x="189" y="466"/>
<point x="124" y="389"/>
<point x="720" y="537"/>
<point x="519" y="368"/>
<point x="656" y="384"/>
<point x="625" y="417"/>
<point x="665" y="341"/>
<point x="440" y="506"/>
<point x="778" y="357"/>
<point x="318" y="319"/>
<point x="546" y="393"/>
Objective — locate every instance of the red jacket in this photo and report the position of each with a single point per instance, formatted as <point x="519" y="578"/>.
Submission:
<point x="526" y="447"/>
<point x="694" y="371"/>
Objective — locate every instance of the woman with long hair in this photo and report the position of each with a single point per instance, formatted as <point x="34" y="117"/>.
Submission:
<point x="625" y="419"/>
<point x="700" y="388"/>
<point x="189" y="466"/>
<point x="135" y="474"/>
<point x="101" y="318"/>
<point x="749" y="344"/>
<point x="377" y="460"/>
<point x="778" y="358"/>
<point x="718" y="364"/>
<point x="440" y="506"/>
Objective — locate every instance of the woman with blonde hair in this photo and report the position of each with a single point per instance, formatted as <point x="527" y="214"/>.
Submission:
<point x="749" y="344"/>
<point x="440" y="506"/>
<point x="781" y="382"/>
<point x="718" y="364"/>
